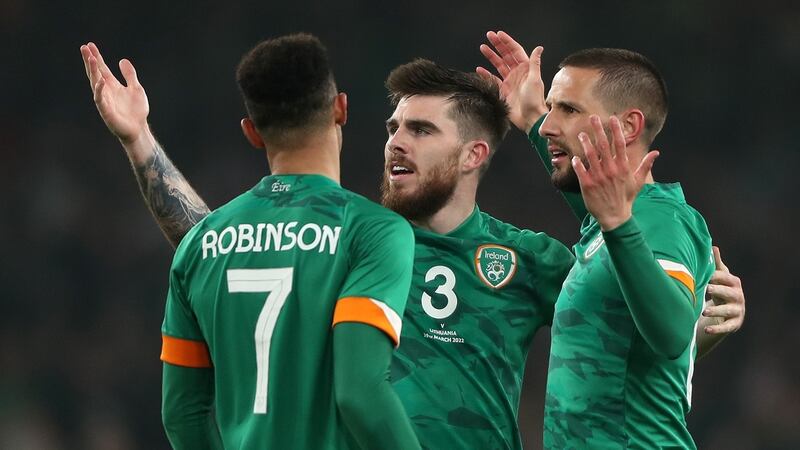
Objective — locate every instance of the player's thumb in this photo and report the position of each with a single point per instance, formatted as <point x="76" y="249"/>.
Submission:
<point x="646" y="166"/>
<point x="128" y="72"/>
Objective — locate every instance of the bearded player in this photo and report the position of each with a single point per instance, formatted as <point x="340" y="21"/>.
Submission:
<point x="480" y="288"/>
<point x="625" y="333"/>
<point x="284" y="304"/>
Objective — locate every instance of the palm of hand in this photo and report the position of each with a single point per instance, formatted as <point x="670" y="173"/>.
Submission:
<point x="124" y="109"/>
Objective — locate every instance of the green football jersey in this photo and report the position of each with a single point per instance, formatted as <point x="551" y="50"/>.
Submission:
<point x="478" y="295"/>
<point x="260" y="282"/>
<point x="606" y="387"/>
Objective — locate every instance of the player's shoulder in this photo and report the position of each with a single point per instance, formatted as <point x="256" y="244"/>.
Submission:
<point x="664" y="204"/>
<point x="536" y="243"/>
<point x="366" y="210"/>
<point x="366" y="220"/>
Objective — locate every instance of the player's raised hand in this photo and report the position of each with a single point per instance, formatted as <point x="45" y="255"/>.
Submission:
<point x="609" y="185"/>
<point x="124" y="108"/>
<point x="520" y="79"/>
<point x="725" y="290"/>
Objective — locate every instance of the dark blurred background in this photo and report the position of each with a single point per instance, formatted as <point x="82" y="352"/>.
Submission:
<point x="84" y="267"/>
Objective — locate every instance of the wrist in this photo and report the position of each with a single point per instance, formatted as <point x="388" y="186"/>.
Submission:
<point x="140" y="147"/>
<point x="529" y="120"/>
<point x="611" y="223"/>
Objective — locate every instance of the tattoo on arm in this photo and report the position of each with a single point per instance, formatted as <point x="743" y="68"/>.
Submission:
<point x="174" y="204"/>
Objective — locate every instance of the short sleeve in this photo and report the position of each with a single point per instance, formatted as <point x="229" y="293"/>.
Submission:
<point x="182" y="342"/>
<point x="375" y="290"/>
<point x="681" y="246"/>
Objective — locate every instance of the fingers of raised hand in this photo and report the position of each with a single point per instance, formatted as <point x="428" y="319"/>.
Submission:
<point x="723" y="278"/>
<point x="618" y="146"/>
<point x="503" y="49"/>
<point x="516" y="50"/>
<point x="718" y="259"/>
<point x="723" y="311"/>
<point x="646" y="166"/>
<point x="129" y="73"/>
<point x="98" y="88"/>
<point x="495" y="59"/>
<point x="584" y="176"/>
<point x="488" y="75"/>
<point x="727" y="296"/>
<point x="726" y="327"/>
<point x="590" y="152"/>
<point x="600" y="139"/>
<point x="85" y="55"/>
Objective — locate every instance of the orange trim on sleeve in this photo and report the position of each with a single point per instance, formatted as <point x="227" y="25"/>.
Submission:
<point x="364" y="310"/>
<point x="685" y="279"/>
<point x="184" y="352"/>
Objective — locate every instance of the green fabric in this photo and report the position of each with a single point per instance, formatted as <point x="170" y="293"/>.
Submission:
<point x="607" y="387"/>
<point x="368" y="405"/>
<point x="187" y="408"/>
<point x="650" y="293"/>
<point x="539" y="143"/>
<point x="258" y="280"/>
<point x="460" y="364"/>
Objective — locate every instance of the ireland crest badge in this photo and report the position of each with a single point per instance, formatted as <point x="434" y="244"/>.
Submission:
<point x="495" y="264"/>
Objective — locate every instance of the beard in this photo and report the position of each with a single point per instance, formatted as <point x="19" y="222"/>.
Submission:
<point x="430" y="195"/>
<point x="566" y="180"/>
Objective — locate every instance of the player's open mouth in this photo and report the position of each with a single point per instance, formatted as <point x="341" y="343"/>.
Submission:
<point x="398" y="171"/>
<point x="557" y="155"/>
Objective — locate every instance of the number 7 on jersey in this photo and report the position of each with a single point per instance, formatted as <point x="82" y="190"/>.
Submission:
<point x="278" y="284"/>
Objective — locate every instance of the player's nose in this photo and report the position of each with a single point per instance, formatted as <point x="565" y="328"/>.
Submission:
<point x="548" y="128"/>
<point x="396" y="144"/>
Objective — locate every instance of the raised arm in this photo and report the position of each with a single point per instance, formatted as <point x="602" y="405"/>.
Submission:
<point x="124" y="109"/>
<point x="522" y="87"/>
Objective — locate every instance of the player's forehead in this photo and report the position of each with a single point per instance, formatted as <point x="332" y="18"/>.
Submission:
<point x="573" y="84"/>
<point x="431" y="108"/>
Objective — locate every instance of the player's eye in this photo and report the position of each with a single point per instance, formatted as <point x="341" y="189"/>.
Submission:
<point x="391" y="130"/>
<point x="420" y="131"/>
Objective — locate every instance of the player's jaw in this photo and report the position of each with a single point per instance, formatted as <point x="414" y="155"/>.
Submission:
<point x="415" y="193"/>
<point x="563" y="176"/>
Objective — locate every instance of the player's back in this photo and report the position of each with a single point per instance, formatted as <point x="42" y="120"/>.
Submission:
<point x="262" y="276"/>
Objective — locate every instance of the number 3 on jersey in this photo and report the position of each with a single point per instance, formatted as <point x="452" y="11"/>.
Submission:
<point x="278" y="283"/>
<point x="445" y="289"/>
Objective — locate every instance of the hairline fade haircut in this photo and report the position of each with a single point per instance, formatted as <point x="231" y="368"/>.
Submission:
<point x="287" y="86"/>
<point x="627" y="79"/>
<point x="475" y="102"/>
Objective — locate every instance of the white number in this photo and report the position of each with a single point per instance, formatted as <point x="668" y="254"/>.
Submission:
<point x="445" y="289"/>
<point x="278" y="283"/>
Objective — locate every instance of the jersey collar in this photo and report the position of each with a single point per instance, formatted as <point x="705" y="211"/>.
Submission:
<point x="286" y="182"/>
<point x="466" y="230"/>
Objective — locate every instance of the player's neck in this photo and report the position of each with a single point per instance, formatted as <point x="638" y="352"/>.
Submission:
<point x="455" y="212"/>
<point x="318" y="155"/>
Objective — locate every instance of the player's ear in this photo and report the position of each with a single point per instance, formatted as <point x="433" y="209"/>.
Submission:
<point x="340" y="109"/>
<point x="633" y="124"/>
<point x="477" y="152"/>
<point x="250" y="132"/>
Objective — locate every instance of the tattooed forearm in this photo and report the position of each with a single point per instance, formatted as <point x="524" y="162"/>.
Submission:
<point x="174" y="204"/>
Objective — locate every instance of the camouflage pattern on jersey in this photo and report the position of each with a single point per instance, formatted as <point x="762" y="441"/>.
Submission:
<point x="606" y="388"/>
<point x="478" y="295"/>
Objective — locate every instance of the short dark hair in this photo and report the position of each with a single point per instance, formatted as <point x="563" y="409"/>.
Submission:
<point x="477" y="106"/>
<point x="287" y="84"/>
<point x="627" y="79"/>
